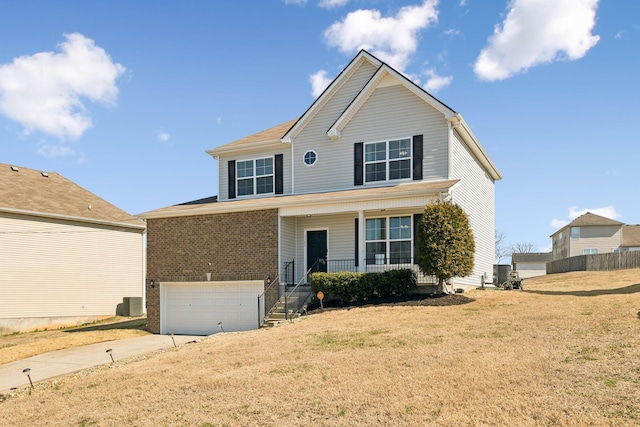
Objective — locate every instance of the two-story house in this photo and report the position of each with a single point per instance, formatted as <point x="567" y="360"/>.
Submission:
<point x="339" y="188"/>
<point x="591" y="234"/>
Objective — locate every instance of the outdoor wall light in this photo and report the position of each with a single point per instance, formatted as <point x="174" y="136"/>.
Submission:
<point x="220" y="326"/>
<point x="152" y="283"/>
<point x="268" y="280"/>
<point x="27" y="372"/>
<point x="109" y="353"/>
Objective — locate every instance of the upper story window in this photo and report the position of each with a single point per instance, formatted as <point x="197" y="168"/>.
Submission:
<point x="310" y="157"/>
<point x="575" y="232"/>
<point x="387" y="160"/>
<point x="589" y="251"/>
<point x="254" y="176"/>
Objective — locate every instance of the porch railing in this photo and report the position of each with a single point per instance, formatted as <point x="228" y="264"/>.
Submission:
<point x="378" y="265"/>
<point x="297" y="297"/>
<point x="268" y="299"/>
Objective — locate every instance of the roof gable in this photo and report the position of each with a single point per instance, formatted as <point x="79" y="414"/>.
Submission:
<point x="383" y="76"/>
<point x="589" y="219"/>
<point x="32" y="192"/>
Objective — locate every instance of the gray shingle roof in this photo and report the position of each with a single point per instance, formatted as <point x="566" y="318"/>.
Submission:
<point x="590" y="219"/>
<point x="537" y="257"/>
<point x="29" y="191"/>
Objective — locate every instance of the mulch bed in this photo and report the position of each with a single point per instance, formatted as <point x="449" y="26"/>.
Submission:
<point x="430" y="300"/>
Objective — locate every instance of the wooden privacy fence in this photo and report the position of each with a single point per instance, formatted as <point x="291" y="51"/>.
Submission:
<point x="598" y="262"/>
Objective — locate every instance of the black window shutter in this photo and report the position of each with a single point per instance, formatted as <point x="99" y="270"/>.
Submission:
<point x="232" y="179"/>
<point x="279" y="168"/>
<point x="358" y="164"/>
<point x="416" y="224"/>
<point x="417" y="157"/>
<point x="357" y="245"/>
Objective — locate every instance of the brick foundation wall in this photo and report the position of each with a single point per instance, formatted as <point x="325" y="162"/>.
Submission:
<point x="242" y="245"/>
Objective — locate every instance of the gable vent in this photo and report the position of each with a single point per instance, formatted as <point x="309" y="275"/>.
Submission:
<point x="14" y="168"/>
<point x="46" y="175"/>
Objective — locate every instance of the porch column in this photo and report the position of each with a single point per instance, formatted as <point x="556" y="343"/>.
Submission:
<point x="361" y="241"/>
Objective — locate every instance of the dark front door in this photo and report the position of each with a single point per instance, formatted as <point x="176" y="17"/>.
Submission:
<point x="317" y="250"/>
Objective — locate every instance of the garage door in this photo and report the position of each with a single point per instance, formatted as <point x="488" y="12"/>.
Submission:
<point x="196" y="308"/>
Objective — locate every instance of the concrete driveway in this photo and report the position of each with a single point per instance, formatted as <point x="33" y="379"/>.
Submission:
<point x="57" y="363"/>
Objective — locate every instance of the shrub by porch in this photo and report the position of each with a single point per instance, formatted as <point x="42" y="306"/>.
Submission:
<point x="351" y="286"/>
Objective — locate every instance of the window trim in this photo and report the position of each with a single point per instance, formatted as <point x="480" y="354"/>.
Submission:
<point x="576" y="235"/>
<point x="315" y="158"/>
<point x="387" y="160"/>
<point x="388" y="240"/>
<point x="254" y="176"/>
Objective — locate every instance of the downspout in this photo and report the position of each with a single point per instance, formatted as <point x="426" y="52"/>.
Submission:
<point x="293" y="173"/>
<point x="361" y="241"/>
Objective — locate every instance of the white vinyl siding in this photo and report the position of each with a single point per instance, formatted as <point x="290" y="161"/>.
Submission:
<point x="52" y="268"/>
<point x="287" y="241"/>
<point x="223" y="172"/>
<point x="390" y="112"/>
<point x="475" y="193"/>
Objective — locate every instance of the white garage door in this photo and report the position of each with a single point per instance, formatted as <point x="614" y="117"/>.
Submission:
<point x="196" y="308"/>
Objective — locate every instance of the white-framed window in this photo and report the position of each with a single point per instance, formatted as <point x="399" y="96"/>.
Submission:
<point x="387" y="160"/>
<point x="575" y="232"/>
<point x="310" y="157"/>
<point x="388" y="240"/>
<point x="254" y="176"/>
<point x="589" y="251"/>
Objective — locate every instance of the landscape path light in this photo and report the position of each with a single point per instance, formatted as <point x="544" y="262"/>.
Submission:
<point x="174" y="341"/>
<point x="27" y="372"/>
<point x="109" y="353"/>
<point x="220" y="326"/>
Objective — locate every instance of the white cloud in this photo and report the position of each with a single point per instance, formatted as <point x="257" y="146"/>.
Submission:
<point x="392" y="39"/>
<point x="537" y="32"/>
<point x="436" y="82"/>
<point x="452" y="32"/>
<point x="297" y="2"/>
<point x="44" y="92"/>
<point x="163" y="136"/>
<point x="51" y="151"/>
<point x="605" y="211"/>
<point x="319" y="82"/>
<point x="332" y="4"/>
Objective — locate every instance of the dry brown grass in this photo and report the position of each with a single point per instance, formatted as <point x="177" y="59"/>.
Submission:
<point x="565" y="352"/>
<point x="20" y="346"/>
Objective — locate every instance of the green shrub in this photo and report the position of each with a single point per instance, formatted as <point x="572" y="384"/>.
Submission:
<point x="349" y="286"/>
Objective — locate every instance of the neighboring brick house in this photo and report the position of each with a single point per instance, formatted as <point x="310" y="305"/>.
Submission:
<point x="591" y="234"/>
<point x="531" y="264"/>
<point x="340" y="188"/>
<point x="66" y="255"/>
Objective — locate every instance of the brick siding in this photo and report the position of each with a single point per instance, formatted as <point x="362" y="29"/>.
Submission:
<point x="242" y="245"/>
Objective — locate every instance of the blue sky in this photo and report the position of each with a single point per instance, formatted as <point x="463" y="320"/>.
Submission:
<point x="123" y="97"/>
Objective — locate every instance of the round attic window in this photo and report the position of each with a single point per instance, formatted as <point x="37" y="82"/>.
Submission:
<point x="310" y="157"/>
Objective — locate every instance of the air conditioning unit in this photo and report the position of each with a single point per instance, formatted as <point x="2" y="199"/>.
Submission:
<point x="132" y="306"/>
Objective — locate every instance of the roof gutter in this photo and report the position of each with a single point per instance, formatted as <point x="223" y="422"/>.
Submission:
<point x="458" y="124"/>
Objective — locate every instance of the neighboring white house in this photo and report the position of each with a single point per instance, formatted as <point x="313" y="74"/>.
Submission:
<point x="66" y="255"/>
<point x="347" y="181"/>
<point x="531" y="264"/>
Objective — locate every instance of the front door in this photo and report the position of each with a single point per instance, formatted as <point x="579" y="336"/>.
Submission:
<point x="317" y="250"/>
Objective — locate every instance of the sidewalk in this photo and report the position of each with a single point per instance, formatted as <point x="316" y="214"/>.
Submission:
<point x="56" y="363"/>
